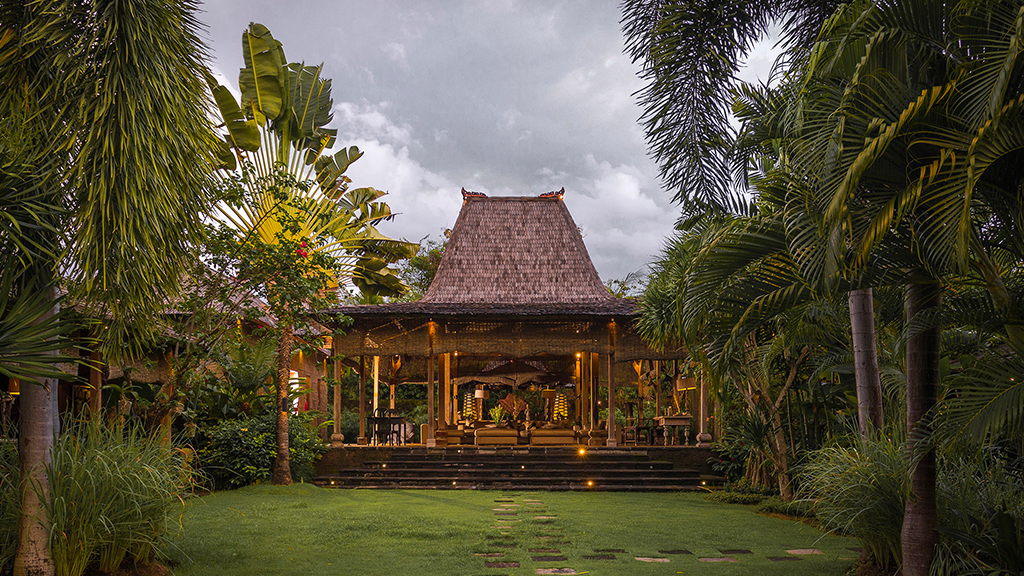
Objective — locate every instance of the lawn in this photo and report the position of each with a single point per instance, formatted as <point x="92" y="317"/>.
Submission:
<point x="306" y="530"/>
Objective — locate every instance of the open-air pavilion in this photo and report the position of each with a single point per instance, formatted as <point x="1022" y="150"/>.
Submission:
<point x="516" y="305"/>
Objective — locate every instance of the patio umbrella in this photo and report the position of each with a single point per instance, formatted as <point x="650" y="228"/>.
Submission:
<point x="515" y="373"/>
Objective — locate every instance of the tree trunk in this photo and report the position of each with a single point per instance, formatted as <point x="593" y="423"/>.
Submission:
<point x="782" y="460"/>
<point x="35" y="441"/>
<point x="865" y="360"/>
<point x="281" y="474"/>
<point x="923" y="351"/>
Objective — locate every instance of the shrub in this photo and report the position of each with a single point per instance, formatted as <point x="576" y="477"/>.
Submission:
<point x="861" y="491"/>
<point x="735" y="497"/>
<point x="349" y="424"/>
<point x="796" y="508"/>
<point x="241" y="452"/>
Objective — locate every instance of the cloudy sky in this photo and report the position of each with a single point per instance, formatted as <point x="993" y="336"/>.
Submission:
<point x="505" y="97"/>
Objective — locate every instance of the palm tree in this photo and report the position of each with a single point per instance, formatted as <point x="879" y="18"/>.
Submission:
<point x="293" y="200"/>
<point x="106" y="131"/>
<point x="691" y="52"/>
<point x="910" y="119"/>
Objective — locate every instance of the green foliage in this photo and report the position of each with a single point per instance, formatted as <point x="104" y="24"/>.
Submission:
<point x="9" y="502"/>
<point x="418" y="271"/>
<point x="727" y="497"/>
<point x="981" y="512"/>
<point x="498" y="414"/>
<point x="349" y="424"/>
<point x="861" y="491"/>
<point x="113" y="494"/>
<point x="240" y="452"/>
<point x="796" y="508"/>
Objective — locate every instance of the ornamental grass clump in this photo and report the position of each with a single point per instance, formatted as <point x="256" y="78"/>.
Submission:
<point x="861" y="491"/>
<point x="112" y="492"/>
<point x="9" y="504"/>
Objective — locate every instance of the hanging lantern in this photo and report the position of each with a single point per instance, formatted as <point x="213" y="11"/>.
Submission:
<point x="547" y="394"/>
<point x="13" y="387"/>
<point x="481" y="394"/>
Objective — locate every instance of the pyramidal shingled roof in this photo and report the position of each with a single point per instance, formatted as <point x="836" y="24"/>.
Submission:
<point x="516" y="250"/>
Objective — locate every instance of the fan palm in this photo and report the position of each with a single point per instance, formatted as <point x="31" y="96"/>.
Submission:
<point x="293" y="196"/>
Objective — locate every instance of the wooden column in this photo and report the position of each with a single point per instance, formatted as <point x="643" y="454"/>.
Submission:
<point x="445" y="382"/>
<point x="595" y="387"/>
<point x="337" y="436"/>
<point x="612" y="440"/>
<point x="430" y="442"/>
<point x="454" y="373"/>
<point x="578" y="378"/>
<point x="657" y="390"/>
<point x="362" y="401"/>
<point x="703" y="438"/>
<point x="391" y="384"/>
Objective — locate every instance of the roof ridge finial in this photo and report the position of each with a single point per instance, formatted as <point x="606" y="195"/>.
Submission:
<point x="466" y="194"/>
<point x="557" y="194"/>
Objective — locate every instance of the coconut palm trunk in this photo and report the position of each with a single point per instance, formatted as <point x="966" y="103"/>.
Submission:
<point x="36" y="436"/>
<point x="865" y="360"/>
<point x="923" y="351"/>
<point x="281" y="474"/>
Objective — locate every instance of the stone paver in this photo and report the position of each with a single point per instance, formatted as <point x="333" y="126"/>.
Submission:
<point x="805" y="551"/>
<point x="718" y="559"/>
<point x="647" y="559"/>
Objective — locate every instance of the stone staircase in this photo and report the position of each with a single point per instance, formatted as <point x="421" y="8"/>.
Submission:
<point x="519" y="468"/>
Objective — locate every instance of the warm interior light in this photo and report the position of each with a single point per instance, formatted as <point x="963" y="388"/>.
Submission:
<point x="590" y="482"/>
<point x="703" y="483"/>
<point x="583" y="451"/>
<point x="14" y="387"/>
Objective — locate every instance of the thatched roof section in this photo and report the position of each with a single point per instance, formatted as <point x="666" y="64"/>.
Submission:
<point x="511" y="256"/>
<point x="516" y="250"/>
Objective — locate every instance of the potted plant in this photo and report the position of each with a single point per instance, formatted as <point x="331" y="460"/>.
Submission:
<point x="498" y="415"/>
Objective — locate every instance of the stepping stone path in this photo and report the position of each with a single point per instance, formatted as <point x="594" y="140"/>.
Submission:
<point x="734" y="552"/>
<point x="546" y="550"/>
<point x="555" y="571"/>
<point x="645" y="559"/>
<point x="618" y="550"/>
<point x="784" y="558"/>
<point x="599" y="557"/>
<point x="718" y="559"/>
<point x="674" y="552"/>
<point x="489" y="554"/>
<point x="549" y="558"/>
